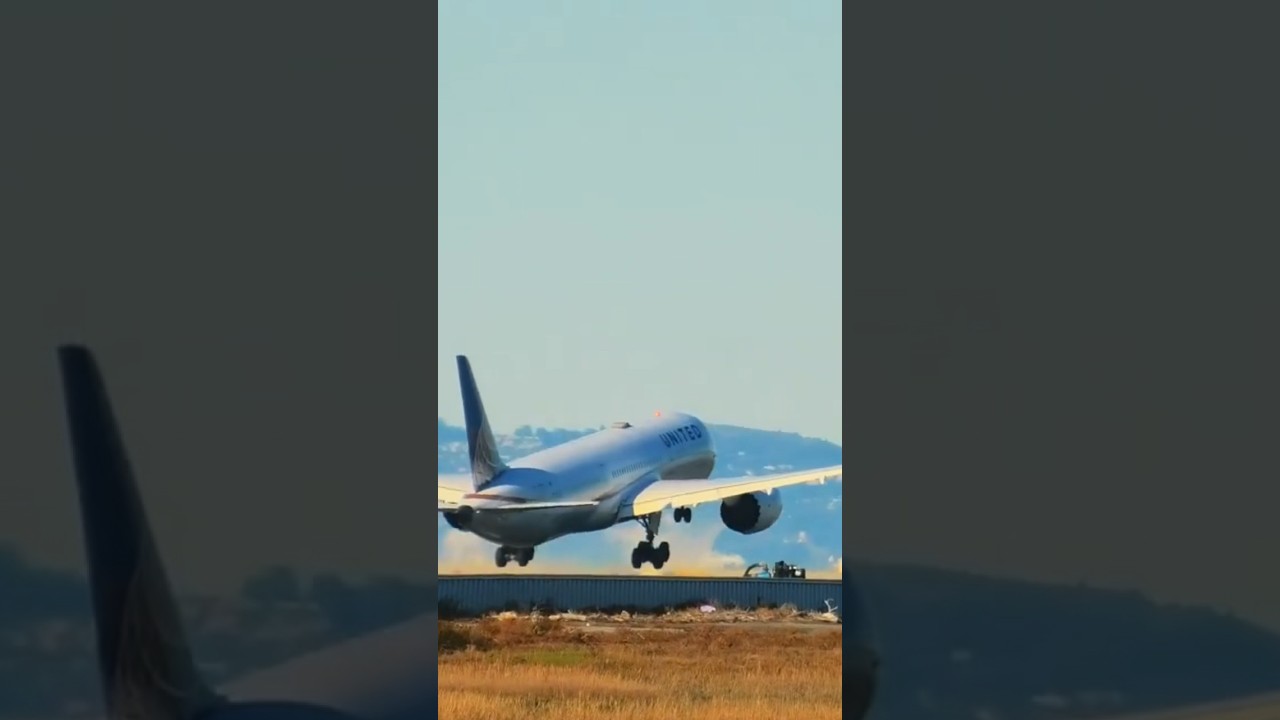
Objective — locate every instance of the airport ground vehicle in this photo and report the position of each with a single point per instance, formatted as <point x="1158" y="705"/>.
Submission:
<point x="780" y="569"/>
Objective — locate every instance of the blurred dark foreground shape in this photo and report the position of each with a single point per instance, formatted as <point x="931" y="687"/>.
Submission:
<point x="145" y="662"/>
<point x="861" y="655"/>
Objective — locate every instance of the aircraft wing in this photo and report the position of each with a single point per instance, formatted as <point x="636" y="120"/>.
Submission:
<point x="450" y="489"/>
<point x="526" y="506"/>
<point x="687" y="493"/>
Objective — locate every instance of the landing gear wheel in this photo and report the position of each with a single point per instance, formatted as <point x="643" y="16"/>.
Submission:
<point x="645" y="552"/>
<point x="684" y="515"/>
<point x="505" y="554"/>
<point x="660" y="556"/>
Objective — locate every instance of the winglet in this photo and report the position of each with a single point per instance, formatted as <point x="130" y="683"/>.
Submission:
<point x="481" y="445"/>
<point x="144" y="659"/>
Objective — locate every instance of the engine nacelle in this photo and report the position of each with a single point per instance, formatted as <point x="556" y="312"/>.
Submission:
<point x="460" y="519"/>
<point x="751" y="513"/>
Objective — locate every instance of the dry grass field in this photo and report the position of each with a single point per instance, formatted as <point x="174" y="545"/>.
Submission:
<point x="500" y="669"/>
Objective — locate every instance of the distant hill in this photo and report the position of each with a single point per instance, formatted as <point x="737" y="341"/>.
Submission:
<point x="740" y="451"/>
<point x="954" y="643"/>
<point x="955" y="646"/>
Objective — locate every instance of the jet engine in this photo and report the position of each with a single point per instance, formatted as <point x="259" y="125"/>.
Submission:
<point x="751" y="513"/>
<point x="460" y="519"/>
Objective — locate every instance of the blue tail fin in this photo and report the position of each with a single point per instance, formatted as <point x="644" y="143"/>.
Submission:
<point x="143" y="657"/>
<point x="483" y="449"/>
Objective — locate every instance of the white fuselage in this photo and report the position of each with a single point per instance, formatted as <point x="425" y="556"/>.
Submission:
<point x="606" y="467"/>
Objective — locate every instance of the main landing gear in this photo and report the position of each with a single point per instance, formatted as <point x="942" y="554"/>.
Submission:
<point x="645" y="552"/>
<point x="505" y="554"/>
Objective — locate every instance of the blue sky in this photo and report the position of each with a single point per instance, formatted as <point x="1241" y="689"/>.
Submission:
<point x="640" y="207"/>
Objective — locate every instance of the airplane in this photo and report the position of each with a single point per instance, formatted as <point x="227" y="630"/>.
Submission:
<point x="626" y="472"/>
<point x="144" y="660"/>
